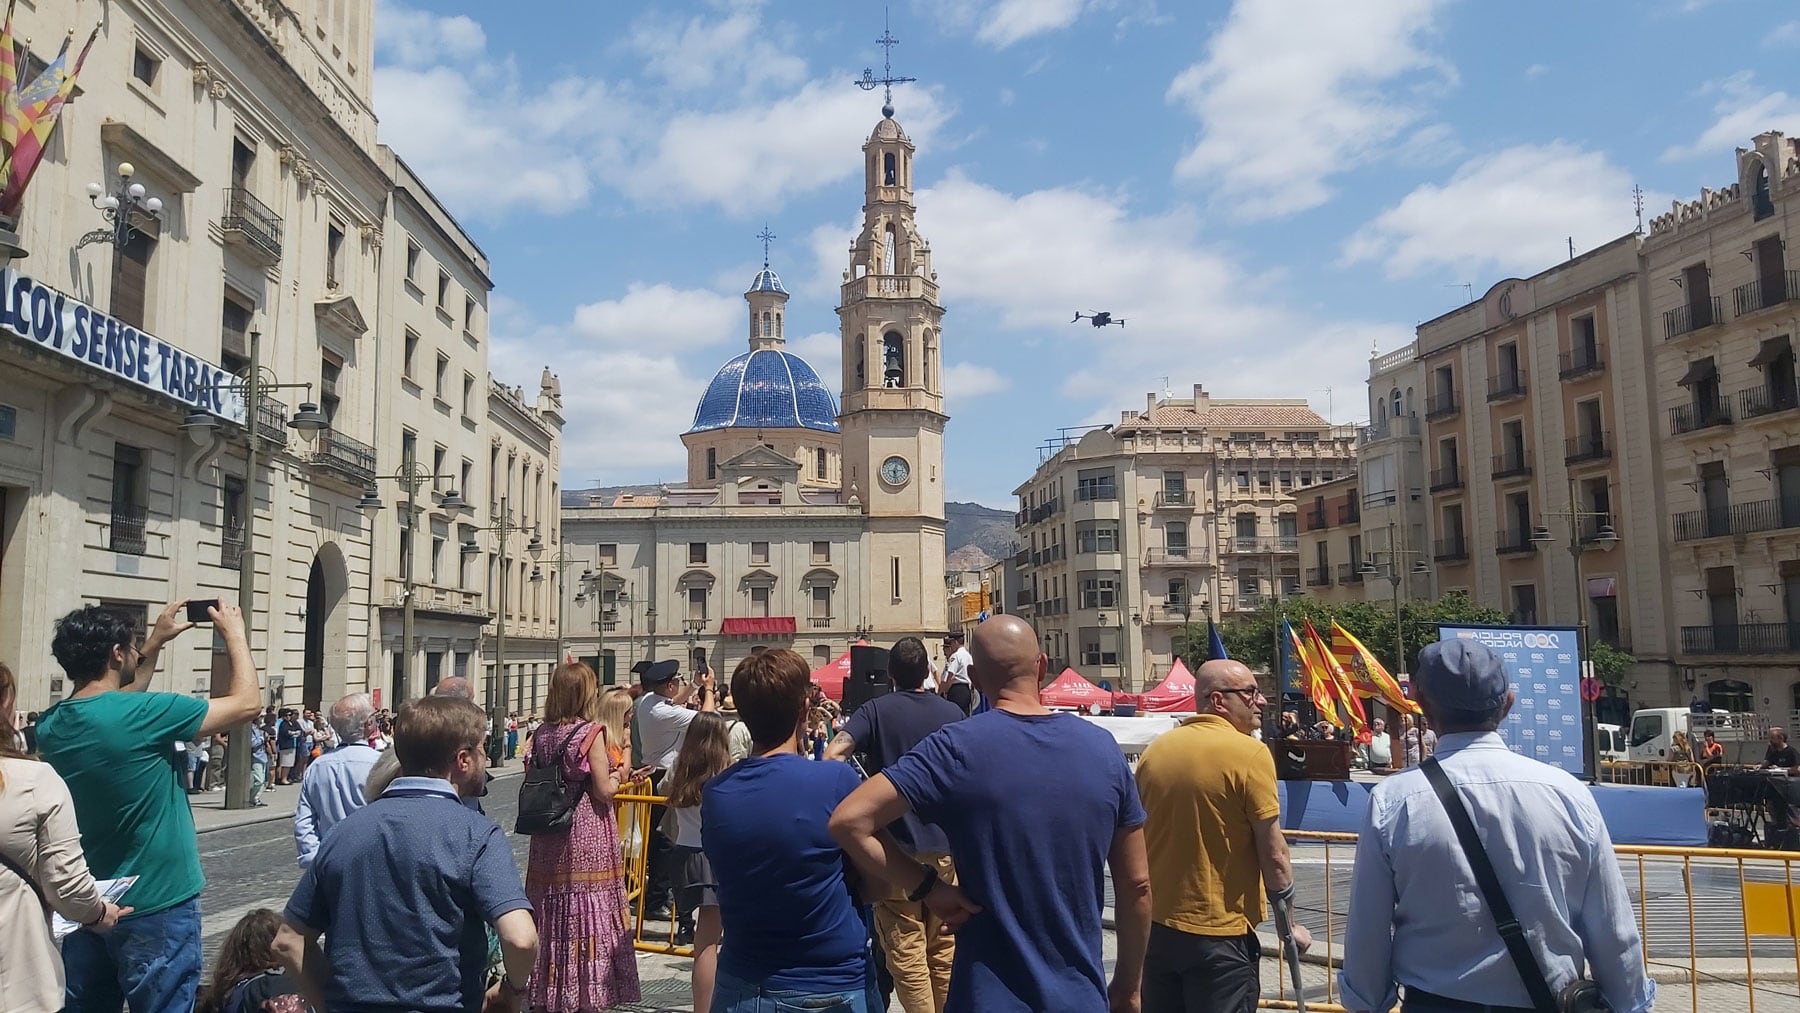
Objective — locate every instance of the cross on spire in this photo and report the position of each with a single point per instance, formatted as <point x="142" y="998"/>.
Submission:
<point x="767" y="237"/>
<point x="887" y="80"/>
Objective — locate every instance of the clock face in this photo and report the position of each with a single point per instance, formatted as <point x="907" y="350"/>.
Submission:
<point x="895" y="471"/>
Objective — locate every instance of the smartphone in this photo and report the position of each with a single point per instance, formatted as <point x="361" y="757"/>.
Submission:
<point x="197" y="609"/>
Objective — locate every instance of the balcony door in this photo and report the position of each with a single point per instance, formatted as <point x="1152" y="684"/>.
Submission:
<point x="1771" y="270"/>
<point x="1715" y="498"/>
<point x="1787" y="486"/>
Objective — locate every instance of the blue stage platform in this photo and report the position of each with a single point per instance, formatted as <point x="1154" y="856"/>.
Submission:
<point x="1674" y="817"/>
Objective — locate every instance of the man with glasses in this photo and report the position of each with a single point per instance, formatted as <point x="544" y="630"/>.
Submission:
<point x="1214" y="837"/>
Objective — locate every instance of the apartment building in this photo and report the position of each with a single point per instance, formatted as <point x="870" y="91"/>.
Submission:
<point x="1332" y="550"/>
<point x="1184" y="510"/>
<point x="524" y="500"/>
<point x="1724" y="307"/>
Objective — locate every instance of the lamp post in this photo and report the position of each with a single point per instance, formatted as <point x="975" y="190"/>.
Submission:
<point x="411" y="474"/>
<point x="1604" y="537"/>
<point x="562" y="561"/>
<point x="309" y="422"/>
<point x="117" y="205"/>
<point x="504" y="527"/>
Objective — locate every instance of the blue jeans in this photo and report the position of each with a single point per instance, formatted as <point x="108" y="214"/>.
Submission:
<point x="734" y="995"/>
<point x="259" y="779"/>
<point x="149" y="962"/>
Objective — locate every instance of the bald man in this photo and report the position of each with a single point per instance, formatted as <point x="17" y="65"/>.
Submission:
<point x="1035" y="805"/>
<point x="387" y="767"/>
<point x="1215" y="845"/>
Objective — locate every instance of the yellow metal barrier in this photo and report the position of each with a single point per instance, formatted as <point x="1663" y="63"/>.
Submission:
<point x="634" y="808"/>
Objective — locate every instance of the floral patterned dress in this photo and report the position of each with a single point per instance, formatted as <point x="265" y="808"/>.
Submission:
<point x="575" y="881"/>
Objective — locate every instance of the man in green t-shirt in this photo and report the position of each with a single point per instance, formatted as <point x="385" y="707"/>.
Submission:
<point x="114" y="743"/>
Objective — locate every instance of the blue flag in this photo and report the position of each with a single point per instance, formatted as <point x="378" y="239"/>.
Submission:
<point x="1289" y="665"/>
<point x="1215" y="644"/>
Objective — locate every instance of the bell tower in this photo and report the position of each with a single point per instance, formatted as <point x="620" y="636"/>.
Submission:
<point x="892" y="419"/>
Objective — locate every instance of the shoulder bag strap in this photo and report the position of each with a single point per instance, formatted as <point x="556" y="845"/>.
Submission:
<point x="1510" y="930"/>
<point x="19" y="871"/>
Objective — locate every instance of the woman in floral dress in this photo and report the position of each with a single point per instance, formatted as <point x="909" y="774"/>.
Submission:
<point x="575" y="879"/>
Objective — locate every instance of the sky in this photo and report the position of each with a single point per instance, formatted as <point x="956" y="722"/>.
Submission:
<point x="1266" y="190"/>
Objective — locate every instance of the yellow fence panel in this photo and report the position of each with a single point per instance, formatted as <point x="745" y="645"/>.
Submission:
<point x="1769" y="909"/>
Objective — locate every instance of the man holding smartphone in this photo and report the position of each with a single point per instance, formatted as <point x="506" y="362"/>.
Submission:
<point x="114" y="743"/>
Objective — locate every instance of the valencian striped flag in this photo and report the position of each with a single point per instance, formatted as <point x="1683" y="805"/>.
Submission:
<point x="1312" y="676"/>
<point x="31" y="112"/>
<point x="1367" y="677"/>
<point x="9" y="85"/>
<point x="1338" y="680"/>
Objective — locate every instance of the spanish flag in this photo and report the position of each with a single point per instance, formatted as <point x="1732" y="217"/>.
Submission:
<point x="1367" y="676"/>
<point x="1312" y="676"/>
<point x="1338" y="680"/>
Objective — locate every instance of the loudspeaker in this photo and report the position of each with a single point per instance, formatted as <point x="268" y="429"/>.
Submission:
<point x="868" y="676"/>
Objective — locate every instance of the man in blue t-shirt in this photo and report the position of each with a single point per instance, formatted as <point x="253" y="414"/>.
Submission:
<point x="114" y="743"/>
<point x="918" y="952"/>
<point x="1034" y="805"/>
<point x="404" y="888"/>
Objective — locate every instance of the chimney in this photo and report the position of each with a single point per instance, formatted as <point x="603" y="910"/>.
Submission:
<point x="1149" y="403"/>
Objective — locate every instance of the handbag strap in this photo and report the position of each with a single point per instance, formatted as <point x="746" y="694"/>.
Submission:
<point x="562" y="751"/>
<point x="1511" y="932"/>
<point x="19" y="871"/>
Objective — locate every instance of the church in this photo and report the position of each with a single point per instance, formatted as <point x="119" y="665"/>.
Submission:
<point x="804" y="521"/>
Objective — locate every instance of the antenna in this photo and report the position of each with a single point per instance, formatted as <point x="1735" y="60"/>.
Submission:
<point x="1165" y="385"/>
<point x="1468" y="288"/>
<point x="1637" y="204"/>
<point x="1571" y="247"/>
<point x="767" y="237"/>
<point x="887" y="80"/>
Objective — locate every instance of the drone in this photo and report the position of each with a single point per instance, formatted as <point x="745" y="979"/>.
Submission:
<point x="1100" y="319"/>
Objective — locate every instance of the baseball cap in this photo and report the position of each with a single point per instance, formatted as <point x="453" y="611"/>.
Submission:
<point x="1464" y="675"/>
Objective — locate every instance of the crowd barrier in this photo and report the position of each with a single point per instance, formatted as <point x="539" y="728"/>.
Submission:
<point x="1721" y="928"/>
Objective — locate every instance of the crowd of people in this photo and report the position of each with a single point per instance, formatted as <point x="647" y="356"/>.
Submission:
<point x="947" y="850"/>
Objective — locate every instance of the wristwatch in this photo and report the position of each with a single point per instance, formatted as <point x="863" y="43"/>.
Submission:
<point x="925" y="887"/>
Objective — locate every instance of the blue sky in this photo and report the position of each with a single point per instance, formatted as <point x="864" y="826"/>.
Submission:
<point x="1265" y="189"/>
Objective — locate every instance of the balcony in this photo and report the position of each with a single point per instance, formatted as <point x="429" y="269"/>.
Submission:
<point x="1265" y="544"/>
<point x="1588" y="530"/>
<point x="1757" y="402"/>
<point x="1023" y="598"/>
<point x="1741" y="638"/>
<point x="1592" y="446"/>
<point x="1175" y="499"/>
<point x="1506" y="387"/>
<point x="1174" y="611"/>
<point x="1737" y="519"/>
<point x="1405" y="425"/>
<point x="1096" y="493"/>
<point x="249" y="225"/>
<point x="1314" y="519"/>
<point x="1579" y="362"/>
<point x="1450" y="550"/>
<point x="1765" y="293"/>
<point x="1441" y="405"/>
<point x="1349" y="513"/>
<point x="350" y="458"/>
<point x="271" y="420"/>
<point x="820" y="622"/>
<point x="430" y="597"/>
<point x="1698" y="416"/>
<point x="1514" y="542"/>
<point x="231" y="547"/>
<point x="1319" y="576"/>
<point x="1445" y="479"/>
<point x="1683" y="320"/>
<point x="1176" y="555"/>
<point x="1512" y="464"/>
<point x="1349" y="573"/>
<point x="125" y="533"/>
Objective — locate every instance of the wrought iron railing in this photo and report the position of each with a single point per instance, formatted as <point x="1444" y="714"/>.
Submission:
<point x="1698" y="415"/>
<point x="1765" y="292"/>
<point x="126" y="532"/>
<point x="1692" y="317"/>
<point x="252" y="219"/>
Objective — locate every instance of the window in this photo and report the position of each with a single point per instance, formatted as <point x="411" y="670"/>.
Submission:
<point x="1524" y="604"/>
<point x="1326" y="476"/>
<point x="696" y="603"/>
<point x="334" y="255"/>
<point x="696" y="553"/>
<point x="1583" y="339"/>
<point x="1243" y="480"/>
<point x="443" y="290"/>
<point x="469" y="313"/>
<point x="1098" y="538"/>
<point x="1287" y="480"/>
<point x="1178" y="593"/>
<point x="819" y="463"/>
<point x="129" y="493"/>
<point x="1306" y="478"/>
<point x="412" y="354"/>
<point x="1099" y="648"/>
<point x="437" y="558"/>
<point x="405" y="543"/>
<point x="1286" y="526"/>
<point x="893" y="360"/>
<point x="231" y="521"/>
<point x="1249" y="587"/>
<point x="412" y="261"/>
<point x="1095" y="484"/>
<point x="1099" y="592"/>
<point x="1174" y="485"/>
<point x="759" y="553"/>
<point x="894" y="576"/>
<point x="468" y="478"/>
<point x="759" y="602"/>
<point x="1246" y="525"/>
<point x="821" y="656"/>
<point x="468" y="402"/>
<point x="1242" y="437"/>
<point x="443" y="376"/>
<point x="712" y="463"/>
<point x="131" y="273"/>
<point x="243" y="161"/>
<point x="1263" y="480"/>
<point x="821" y="601"/>
<point x="609" y="554"/>
<point x="145" y="65"/>
<point x="1175" y="536"/>
<point x="234" y="336"/>
<point x="438" y="453"/>
<point x="331" y="370"/>
<point x="821" y="552"/>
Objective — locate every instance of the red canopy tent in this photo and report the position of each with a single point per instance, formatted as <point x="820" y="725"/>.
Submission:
<point x="1070" y="690"/>
<point x="830" y="678"/>
<point x="1175" y="694"/>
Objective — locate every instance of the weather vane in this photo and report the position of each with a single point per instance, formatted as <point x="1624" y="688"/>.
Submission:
<point x="887" y="80"/>
<point x="767" y="237"/>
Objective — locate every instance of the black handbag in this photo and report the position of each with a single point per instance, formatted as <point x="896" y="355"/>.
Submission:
<point x="546" y="798"/>
<point x="1579" y="996"/>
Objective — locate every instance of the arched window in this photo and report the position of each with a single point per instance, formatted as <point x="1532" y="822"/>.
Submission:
<point x="778" y="325"/>
<point x="1395" y="398"/>
<point x="712" y="463"/>
<point x="768" y="327"/>
<point x="1762" y="205"/>
<point x="893" y="360"/>
<point x="889" y="250"/>
<point x="1730" y="695"/>
<point x="888" y="176"/>
<point x="1409" y="401"/>
<point x="862" y="358"/>
<point x="1380" y="411"/>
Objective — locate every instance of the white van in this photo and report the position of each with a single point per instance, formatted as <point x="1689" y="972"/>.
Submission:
<point x="1609" y="743"/>
<point x="1653" y="731"/>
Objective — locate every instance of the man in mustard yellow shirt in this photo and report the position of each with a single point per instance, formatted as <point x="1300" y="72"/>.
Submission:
<point x="1214" y="837"/>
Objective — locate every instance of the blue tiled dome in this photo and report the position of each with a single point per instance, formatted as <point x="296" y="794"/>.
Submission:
<point x="767" y="389"/>
<point x="767" y="281"/>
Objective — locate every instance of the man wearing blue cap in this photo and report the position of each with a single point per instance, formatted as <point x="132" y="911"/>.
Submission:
<point x="663" y="716"/>
<point x="1541" y="833"/>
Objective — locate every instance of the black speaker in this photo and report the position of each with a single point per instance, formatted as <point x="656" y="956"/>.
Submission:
<point x="868" y="676"/>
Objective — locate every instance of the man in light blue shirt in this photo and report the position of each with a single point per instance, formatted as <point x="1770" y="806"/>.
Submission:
<point x="1417" y="918"/>
<point x="333" y="786"/>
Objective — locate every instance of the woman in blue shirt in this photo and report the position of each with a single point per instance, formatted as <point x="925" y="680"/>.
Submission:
<point x="793" y="934"/>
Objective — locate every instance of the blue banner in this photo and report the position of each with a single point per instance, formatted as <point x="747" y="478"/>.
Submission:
<point x="1543" y="665"/>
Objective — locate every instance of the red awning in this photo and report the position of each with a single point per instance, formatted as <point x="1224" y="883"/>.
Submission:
<point x="758" y="626"/>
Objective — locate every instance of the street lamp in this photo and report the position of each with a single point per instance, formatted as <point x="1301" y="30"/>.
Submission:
<point x="309" y="422"/>
<point x="411" y="474"/>
<point x="504" y="527"/>
<point x="593" y="584"/>
<point x="118" y="206"/>
<point x="1603" y="538"/>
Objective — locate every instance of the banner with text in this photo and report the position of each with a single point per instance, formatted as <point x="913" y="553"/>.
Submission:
<point x="1543" y="665"/>
<point x="64" y="325"/>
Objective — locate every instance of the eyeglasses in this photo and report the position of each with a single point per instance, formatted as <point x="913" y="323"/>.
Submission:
<point x="1249" y="693"/>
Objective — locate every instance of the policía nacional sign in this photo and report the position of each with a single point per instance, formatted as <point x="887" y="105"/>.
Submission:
<point x="64" y="325"/>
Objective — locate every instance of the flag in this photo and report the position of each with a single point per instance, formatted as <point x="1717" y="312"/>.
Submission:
<point x="39" y="107"/>
<point x="1337" y="680"/>
<point x="1366" y="673"/>
<point x="9" y="88"/>
<point x="1288" y="661"/>
<point x="1313" y="677"/>
<point x="1215" y="644"/>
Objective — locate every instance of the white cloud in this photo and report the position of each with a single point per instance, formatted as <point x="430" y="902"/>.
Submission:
<point x="1011" y="21"/>
<point x="1510" y="211"/>
<point x="1783" y="36"/>
<point x="1742" y="111"/>
<point x="662" y="317"/>
<point x="734" y="53"/>
<point x="968" y="380"/>
<point x="1292" y="90"/>
<point x="1536" y="71"/>
<point x="415" y="38"/>
<point x="824" y="352"/>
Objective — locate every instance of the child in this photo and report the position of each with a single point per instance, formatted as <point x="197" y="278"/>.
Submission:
<point x="247" y="977"/>
<point x="704" y="754"/>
